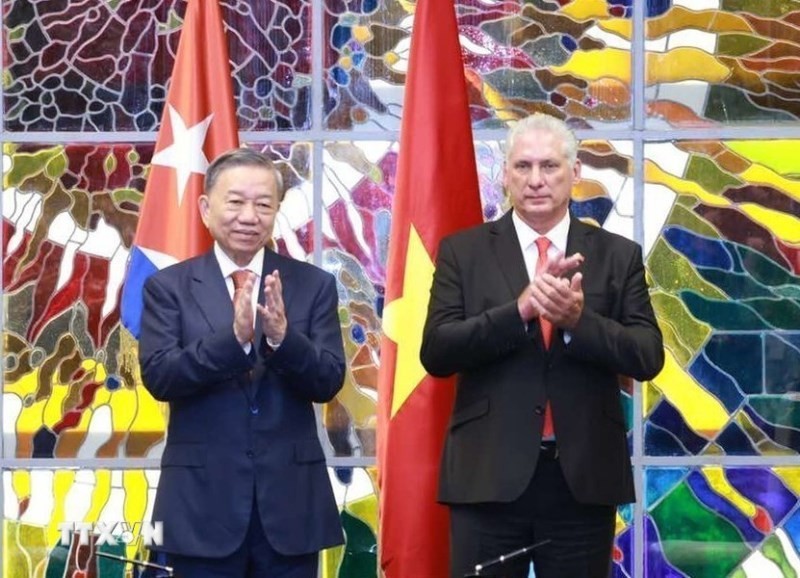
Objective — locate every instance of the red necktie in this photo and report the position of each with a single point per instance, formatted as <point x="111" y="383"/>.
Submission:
<point x="239" y="278"/>
<point x="543" y="244"/>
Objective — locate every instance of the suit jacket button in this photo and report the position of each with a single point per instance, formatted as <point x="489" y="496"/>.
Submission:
<point x="250" y="454"/>
<point x="539" y="410"/>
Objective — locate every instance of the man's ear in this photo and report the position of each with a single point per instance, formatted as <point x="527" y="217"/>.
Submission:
<point x="202" y="206"/>
<point x="576" y="171"/>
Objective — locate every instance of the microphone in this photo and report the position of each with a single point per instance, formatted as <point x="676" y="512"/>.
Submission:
<point x="143" y="564"/>
<point x="502" y="559"/>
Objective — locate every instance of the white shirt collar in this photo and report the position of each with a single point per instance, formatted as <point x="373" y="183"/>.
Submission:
<point x="227" y="266"/>
<point x="557" y="235"/>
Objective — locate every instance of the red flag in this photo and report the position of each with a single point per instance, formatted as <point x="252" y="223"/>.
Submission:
<point x="198" y="124"/>
<point x="437" y="193"/>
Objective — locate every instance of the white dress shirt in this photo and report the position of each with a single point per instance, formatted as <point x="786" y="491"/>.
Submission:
<point x="527" y="241"/>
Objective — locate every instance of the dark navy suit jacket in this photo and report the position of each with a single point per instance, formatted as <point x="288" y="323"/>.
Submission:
<point x="505" y="374"/>
<point x="241" y="425"/>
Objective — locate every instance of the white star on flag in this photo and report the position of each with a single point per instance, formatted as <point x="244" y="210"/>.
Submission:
<point x="185" y="154"/>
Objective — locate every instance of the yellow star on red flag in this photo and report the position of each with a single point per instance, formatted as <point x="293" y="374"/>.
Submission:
<point x="404" y="319"/>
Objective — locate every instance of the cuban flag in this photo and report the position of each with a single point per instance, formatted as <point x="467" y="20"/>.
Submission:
<point x="198" y="124"/>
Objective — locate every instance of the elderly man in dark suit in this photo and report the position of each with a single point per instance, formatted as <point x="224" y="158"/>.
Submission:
<point x="538" y="314"/>
<point x="241" y="341"/>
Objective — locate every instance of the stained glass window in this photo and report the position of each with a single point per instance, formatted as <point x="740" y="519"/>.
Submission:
<point x="723" y="218"/>
<point x="722" y="62"/>
<point x="721" y="521"/>
<point x="60" y="522"/>
<point x="570" y="59"/>
<point x="45" y="510"/>
<point x="98" y="66"/>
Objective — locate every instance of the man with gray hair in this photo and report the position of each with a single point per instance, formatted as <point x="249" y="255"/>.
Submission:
<point x="538" y="313"/>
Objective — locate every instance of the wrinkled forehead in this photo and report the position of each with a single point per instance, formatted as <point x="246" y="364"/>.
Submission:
<point x="245" y="179"/>
<point x="538" y="144"/>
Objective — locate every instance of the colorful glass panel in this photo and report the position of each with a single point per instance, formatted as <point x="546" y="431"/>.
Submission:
<point x="69" y="216"/>
<point x="725" y="271"/>
<point x="41" y="507"/>
<point x="570" y="59"/>
<point x="90" y="65"/>
<point x="722" y="62"/>
<point x="48" y="512"/>
<point x="710" y="522"/>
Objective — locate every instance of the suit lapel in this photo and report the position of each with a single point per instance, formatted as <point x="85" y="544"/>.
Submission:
<point x="211" y="293"/>
<point x="579" y="241"/>
<point x="506" y="247"/>
<point x="272" y="261"/>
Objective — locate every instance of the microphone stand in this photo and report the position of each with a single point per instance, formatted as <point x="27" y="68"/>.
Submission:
<point x="167" y="569"/>
<point x="504" y="558"/>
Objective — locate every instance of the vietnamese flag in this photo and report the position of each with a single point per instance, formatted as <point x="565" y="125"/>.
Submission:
<point x="199" y="123"/>
<point x="437" y="194"/>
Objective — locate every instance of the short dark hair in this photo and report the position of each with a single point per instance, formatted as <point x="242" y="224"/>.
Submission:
<point x="241" y="157"/>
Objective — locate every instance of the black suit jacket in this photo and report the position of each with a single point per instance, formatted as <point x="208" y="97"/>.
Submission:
<point x="241" y="425"/>
<point x="505" y="375"/>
